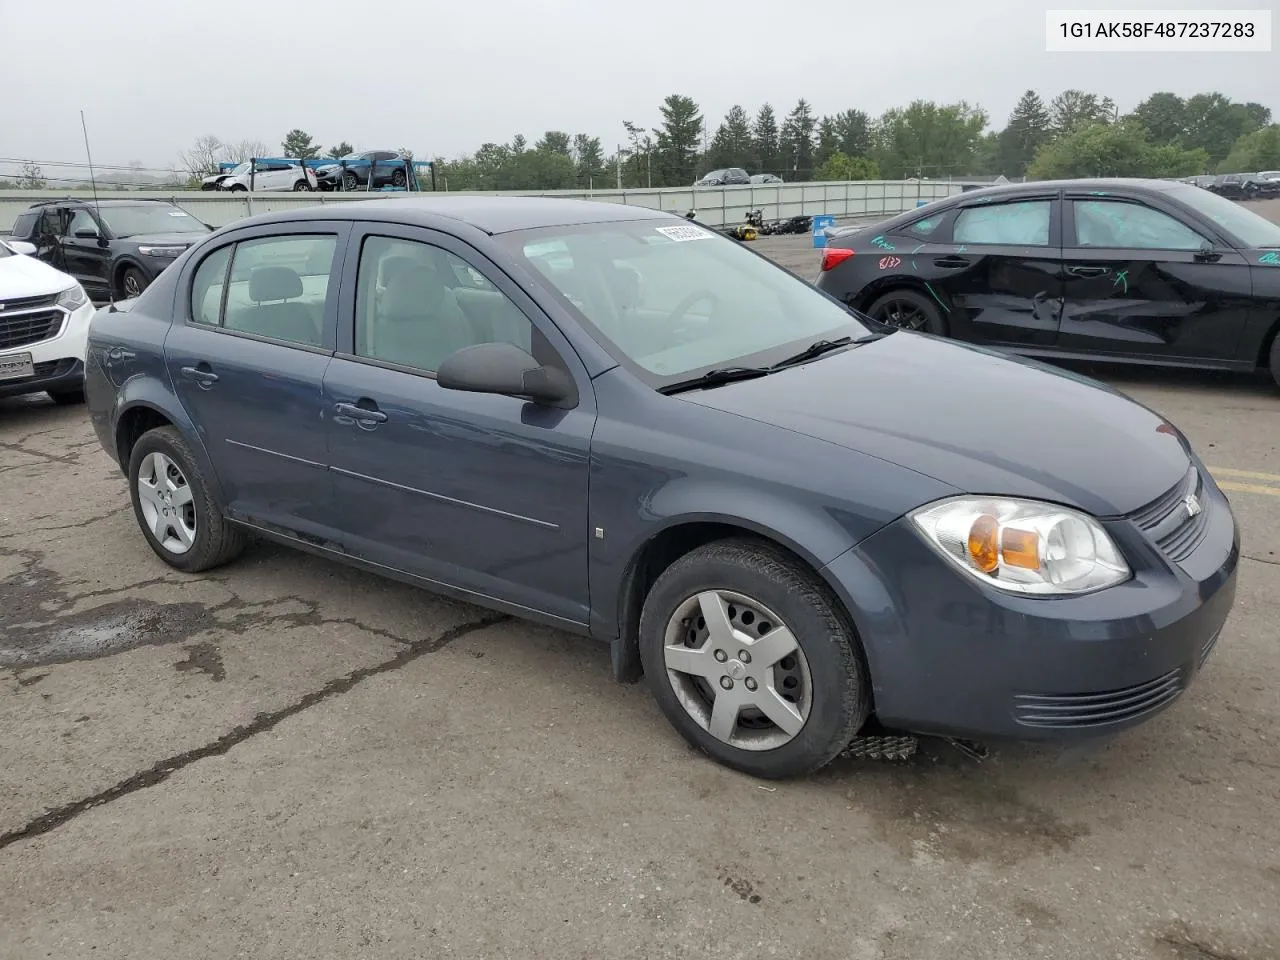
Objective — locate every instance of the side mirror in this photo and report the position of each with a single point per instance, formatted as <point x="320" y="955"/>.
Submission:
<point x="21" y="246"/>
<point x="1207" y="253"/>
<point x="504" y="368"/>
<point x="86" y="234"/>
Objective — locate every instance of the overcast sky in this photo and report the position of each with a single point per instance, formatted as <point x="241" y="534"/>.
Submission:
<point x="443" y="77"/>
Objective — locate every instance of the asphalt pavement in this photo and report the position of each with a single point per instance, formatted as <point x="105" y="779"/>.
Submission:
<point x="287" y="758"/>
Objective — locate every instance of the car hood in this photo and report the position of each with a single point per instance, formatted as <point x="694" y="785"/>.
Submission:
<point x="981" y="422"/>
<point x="23" y="276"/>
<point x="171" y="239"/>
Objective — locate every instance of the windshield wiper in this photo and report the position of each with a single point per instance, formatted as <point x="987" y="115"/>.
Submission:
<point x="815" y="349"/>
<point x="716" y="377"/>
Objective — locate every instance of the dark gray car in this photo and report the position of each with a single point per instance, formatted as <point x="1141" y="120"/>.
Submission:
<point x="617" y="422"/>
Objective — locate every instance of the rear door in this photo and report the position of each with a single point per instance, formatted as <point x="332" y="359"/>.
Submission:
<point x="1137" y="284"/>
<point x="248" y="362"/>
<point x="1000" y="271"/>
<point x="483" y="492"/>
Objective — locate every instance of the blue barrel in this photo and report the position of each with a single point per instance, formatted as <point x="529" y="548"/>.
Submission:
<point x="820" y="225"/>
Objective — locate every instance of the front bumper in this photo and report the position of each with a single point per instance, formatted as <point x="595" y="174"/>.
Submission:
<point x="950" y="656"/>
<point x="58" y="361"/>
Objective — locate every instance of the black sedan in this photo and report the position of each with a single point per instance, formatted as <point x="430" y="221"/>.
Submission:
<point x="1140" y="271"/>
<point x="617" y="422"/>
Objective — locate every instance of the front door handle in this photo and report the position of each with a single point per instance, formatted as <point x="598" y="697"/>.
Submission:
<point x="359" y="414"/>
<point x="201" y="374"/>
<point x="951" y="261"/>
<point x="1088" y="271"/>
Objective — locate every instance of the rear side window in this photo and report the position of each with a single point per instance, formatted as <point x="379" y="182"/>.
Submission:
<point x="1024" y="223"/>
<point x="272" y="287"/>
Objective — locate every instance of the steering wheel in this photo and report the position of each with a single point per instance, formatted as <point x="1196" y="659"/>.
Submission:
<point x="683" y="306"/>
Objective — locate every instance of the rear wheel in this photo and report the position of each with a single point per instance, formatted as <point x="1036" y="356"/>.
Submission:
<point x="1275" y="358"/>
<point x="175" y="507"/>
<point x="750" y="658"/>
<point x="301" y="186"/>
<point x="908" y="310"/>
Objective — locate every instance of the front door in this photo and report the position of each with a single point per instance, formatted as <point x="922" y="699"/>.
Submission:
<point x="86" y="256"/>
<point x="1141" y="283"/>
<point x="50" y="229"/>
<point x="1000" y="273"/>
<point x="486" y="493"/>
<point x="248" y="364"/>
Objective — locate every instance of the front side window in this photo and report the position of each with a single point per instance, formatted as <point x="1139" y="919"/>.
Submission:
<point x="1130" y="226"/>
<point x="670" y="298"/>
<point x="417" y="304"/>
<point x="1023" y="223"/>
<point x="273" y="287"/>
<point x="83" y="220"/>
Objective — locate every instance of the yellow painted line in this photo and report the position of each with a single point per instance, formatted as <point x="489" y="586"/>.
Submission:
<point x="1245" y="474"/>
<point x="1249" y="488"/>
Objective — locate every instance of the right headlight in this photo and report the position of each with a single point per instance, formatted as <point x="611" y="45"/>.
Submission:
<point x="1023" y="546"/>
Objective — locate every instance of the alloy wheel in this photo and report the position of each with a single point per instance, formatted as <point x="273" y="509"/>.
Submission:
<point x="132" y="285"/>
<point x="903" y="314"/>
<point x="167" y="504"/>
<point x="737" y="670"/>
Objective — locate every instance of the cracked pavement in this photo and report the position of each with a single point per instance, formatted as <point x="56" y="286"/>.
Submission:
<point x="288" y="758"/>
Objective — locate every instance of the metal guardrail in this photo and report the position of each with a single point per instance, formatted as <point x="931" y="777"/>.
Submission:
<point x="716" y="206"/>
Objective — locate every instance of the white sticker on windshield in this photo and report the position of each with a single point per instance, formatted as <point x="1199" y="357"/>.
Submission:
<point x="685" y="231"/>
<point x="178" y="213"/>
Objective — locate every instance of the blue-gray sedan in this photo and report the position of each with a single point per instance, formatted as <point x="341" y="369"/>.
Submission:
<point x="620" y="423"/>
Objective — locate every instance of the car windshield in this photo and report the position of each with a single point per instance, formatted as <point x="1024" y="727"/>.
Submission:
<point x="671" y="299"/>
<point x="145" y="218"/>
<point x="1247" y="226"/>
<point x="241" y="168"/>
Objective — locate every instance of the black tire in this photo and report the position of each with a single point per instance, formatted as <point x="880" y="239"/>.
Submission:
<point x="67" y="398"/>
<point x="398" y="179"/>
<point x="350" y="181"/>
<point x="1275" y="358"/>
<point x="237" y="188"/>
<point x="916" y="310"/>
<point x="132" y="282"/>
<point x="302" y="186"/>
<point x="840" y="696"/>
<point x="216" y="541"/>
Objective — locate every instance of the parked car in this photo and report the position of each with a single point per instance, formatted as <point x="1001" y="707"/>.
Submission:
<point x="113" y="248"/>
<point x="786" y="520"/>
<point x="765" y="178"/>
<point x="1244" y="186"/>
<point x="387" y="167"/>
<point x="1140" y="271"/>
<point x="730" y="176"/>
<point x="264" y="175"/>
<point x="44" y="323"/>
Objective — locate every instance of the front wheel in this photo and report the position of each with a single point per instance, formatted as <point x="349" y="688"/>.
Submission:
<point x="398" y="179"/>
<point x="67" y="398"/>
<point x="1275" y="358"/>
<point x="909" y="310"/>
<point x="175" y="507"/>
<point x="752" y="661"/>
<point x="350" y="181"/>
<point x="132" y="283"/>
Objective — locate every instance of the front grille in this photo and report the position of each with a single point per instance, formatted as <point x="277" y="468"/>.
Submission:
<point x="1081" y="710"/>
<point x="1168" y="521"/>
<point x="25" y="328"/>
<point x="28" y="303"/>
<point x="1208" y="647"/>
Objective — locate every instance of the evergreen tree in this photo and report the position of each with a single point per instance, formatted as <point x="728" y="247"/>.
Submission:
<point x="764" y="141"/>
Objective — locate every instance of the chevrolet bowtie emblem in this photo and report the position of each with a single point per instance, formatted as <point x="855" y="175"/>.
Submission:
<point x="1192" y="504"/>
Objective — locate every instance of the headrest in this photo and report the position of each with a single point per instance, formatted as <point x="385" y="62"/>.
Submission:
<point x="412" y="292"/>
<point x="274" y="283"/>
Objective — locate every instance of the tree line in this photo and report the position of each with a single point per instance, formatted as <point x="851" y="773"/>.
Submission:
<point x="1074" y="134"/>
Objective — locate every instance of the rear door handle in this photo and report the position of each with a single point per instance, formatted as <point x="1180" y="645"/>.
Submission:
<point x="951" y="261"/>
<point x="1088" y="271"/>
<point x="359" y="414"/>
<point x="201" y="374"/>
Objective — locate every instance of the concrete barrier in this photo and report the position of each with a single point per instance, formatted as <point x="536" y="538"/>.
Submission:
<point x="716" y="206"/>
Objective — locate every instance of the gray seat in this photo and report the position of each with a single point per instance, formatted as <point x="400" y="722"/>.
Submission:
<point x="417" y="320"/>
<point x="275" y="311"/>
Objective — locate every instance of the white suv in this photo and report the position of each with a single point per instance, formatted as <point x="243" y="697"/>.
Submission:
<point x="271" y="175"/>
<point x="44" y="324"/>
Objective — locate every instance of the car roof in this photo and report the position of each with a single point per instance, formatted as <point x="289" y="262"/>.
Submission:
<point x="492" y="215"/>
<point x="83" y="202"/>
<point x="1093" y="184"/>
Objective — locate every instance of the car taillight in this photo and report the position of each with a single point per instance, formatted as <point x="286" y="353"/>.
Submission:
<point x="834" y="255"/>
